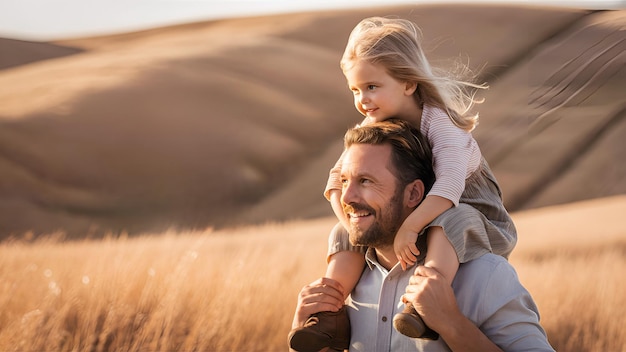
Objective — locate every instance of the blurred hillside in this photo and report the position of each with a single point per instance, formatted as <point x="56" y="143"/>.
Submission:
<point x="238" y="121"/>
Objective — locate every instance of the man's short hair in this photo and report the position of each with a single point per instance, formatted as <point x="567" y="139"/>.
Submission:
<point x="411" y="154"/>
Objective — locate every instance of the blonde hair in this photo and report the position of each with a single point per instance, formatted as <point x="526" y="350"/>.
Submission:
<point x="395" y="44"/>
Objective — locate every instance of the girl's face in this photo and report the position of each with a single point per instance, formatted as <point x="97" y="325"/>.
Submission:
<point x="377" y="95"/>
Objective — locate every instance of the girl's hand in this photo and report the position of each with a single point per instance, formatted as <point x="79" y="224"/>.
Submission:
<point x="404" y="247"/>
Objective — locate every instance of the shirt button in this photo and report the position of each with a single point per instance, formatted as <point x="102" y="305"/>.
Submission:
<point x="384" y="319"/>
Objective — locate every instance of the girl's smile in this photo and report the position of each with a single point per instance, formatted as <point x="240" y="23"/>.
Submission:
<point x="379" y="96"/>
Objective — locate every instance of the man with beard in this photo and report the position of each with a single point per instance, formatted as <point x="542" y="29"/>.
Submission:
<point x="386" y="172"/>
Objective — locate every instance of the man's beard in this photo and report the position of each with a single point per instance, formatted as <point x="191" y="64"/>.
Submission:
<point x="383" y="231"/>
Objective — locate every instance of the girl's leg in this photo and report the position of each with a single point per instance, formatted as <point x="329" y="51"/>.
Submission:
<point x="440" y="254"/>
<point x="346" y="268"/>
<point x="332" y="329"/>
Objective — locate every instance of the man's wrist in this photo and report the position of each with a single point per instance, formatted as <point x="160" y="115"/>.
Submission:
<point x="453" y="329"/>
<point x="462" y="335"/>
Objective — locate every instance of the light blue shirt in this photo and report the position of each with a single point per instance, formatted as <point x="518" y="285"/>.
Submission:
<point x="487" y="291"/>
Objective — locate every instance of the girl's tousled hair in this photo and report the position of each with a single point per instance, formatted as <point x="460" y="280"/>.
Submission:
<point x="395" y="44"/>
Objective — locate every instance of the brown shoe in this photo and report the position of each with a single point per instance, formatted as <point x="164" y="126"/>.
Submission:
<point x="324" y="329"/>
<point x="409" y="323"/>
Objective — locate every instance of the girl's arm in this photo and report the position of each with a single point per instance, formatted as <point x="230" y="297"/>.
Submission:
<point x="404" y="243"/>
<point x="332" y="192"/>
<point x="454" y="152"/>
<point x="335" y="203"/>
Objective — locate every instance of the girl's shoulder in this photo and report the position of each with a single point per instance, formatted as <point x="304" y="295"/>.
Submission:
<point x="434" y="111"/>
<point x="432" y="114"/>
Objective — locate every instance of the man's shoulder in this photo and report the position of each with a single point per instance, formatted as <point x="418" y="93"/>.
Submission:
<point x="483" y="285"/>
<point x="487" y="260"/>
<point x="485" y="270"/>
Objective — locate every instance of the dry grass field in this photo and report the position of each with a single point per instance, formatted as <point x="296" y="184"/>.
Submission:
<point x="235" y="290"/>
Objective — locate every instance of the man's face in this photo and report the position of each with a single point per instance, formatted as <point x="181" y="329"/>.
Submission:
<point x="370" y="196"/>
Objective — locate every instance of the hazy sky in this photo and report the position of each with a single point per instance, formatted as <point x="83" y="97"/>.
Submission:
<point x="58" y="19"/>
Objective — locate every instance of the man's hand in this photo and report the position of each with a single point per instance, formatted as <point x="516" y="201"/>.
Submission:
<point x="404" y="247"/>
<point x="319" y="296"/>
<point x="433" y="298"/>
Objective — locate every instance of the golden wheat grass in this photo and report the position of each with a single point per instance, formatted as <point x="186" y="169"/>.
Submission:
<point x="205" y="291"/>
<point x="235" y="290"/>
<point x="580" y="297"/>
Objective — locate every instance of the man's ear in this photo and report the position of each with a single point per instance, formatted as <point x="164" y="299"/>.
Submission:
<point x="410" y="88"/>
<point x="414" y="193"/>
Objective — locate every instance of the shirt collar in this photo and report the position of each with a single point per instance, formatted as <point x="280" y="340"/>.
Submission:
<point x="371" y="259"/>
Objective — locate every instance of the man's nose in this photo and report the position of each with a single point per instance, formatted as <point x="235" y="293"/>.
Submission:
<point x="349" y="194"/>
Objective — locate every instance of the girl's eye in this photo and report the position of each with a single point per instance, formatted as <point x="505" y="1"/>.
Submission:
<point x="371" y="87"/>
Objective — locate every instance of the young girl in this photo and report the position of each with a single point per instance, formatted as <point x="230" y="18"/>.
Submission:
<point x="388" y="73"/>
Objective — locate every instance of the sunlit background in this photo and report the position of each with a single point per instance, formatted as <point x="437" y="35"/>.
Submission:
<point x="161" y="190"/>
<point x="45" y="20"/>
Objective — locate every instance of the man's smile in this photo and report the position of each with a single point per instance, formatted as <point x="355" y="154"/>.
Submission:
<point x="357" y="213"/>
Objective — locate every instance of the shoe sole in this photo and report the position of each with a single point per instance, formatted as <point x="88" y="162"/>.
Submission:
<point x="306" y="341"/>
<point x="406" y="325"/>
